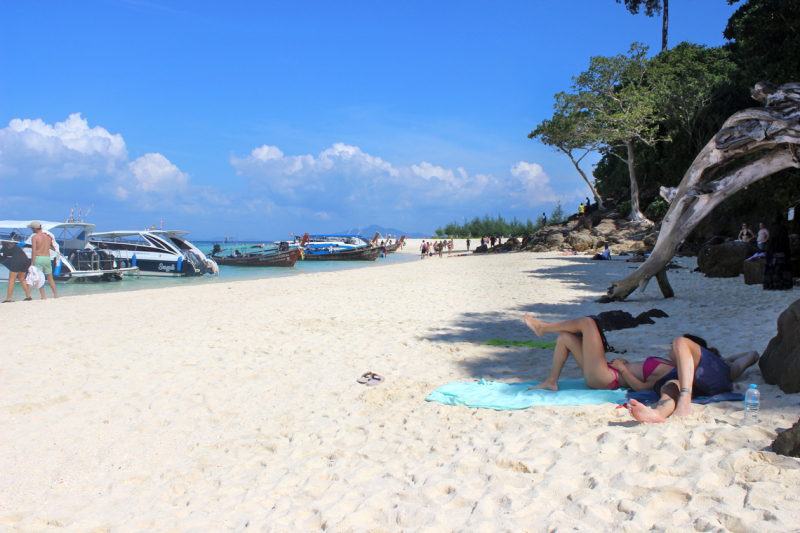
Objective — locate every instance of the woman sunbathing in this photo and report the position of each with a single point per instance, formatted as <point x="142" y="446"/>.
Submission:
<point x="581" y="338"/>
<point x="700" y="372"/>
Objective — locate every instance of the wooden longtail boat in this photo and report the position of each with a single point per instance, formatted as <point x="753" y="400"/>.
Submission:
<point x="392" y="248"/>
<point x="259" y="256"/>
<point x="361" y="254"/>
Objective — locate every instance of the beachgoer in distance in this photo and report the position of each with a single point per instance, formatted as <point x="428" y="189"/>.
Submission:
<point x="778" y="267"/>
<point x="746" y="235"/>
<point x="423" y="248"/>
<point x="763" y="236"/>
<point x="544" y="220"/>
<point x="700" y="372"/>
<point x="581" y="210"/>
<point x="605" y="256"/>
<point x="15" y="260"/>
<point x="499" y="240"/>
<point x="41" y="245"/>
<point x="468" y="241"/>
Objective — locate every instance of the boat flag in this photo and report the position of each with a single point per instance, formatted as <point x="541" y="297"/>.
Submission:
<point x="162" y="223"/>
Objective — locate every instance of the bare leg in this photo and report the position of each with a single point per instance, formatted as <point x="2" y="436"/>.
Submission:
<point x="591" y="357"/>
<point x="567" y="343"/>
<point x="687" y="355"/>
<point x="741" y="362"/>
<point x="11" y="277"/>
<point x="664" y="408"/>
<point x="24" y="284"/>
<point x="52" y="285"/>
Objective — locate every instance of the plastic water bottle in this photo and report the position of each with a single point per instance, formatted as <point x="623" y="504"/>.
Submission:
<point x="751" y="400"/>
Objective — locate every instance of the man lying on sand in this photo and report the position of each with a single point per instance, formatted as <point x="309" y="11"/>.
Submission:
<point x="700" y="372"/>
<point x="581" y="338"/>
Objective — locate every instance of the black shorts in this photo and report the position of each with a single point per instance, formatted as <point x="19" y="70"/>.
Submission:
<point x="18" y="266"/>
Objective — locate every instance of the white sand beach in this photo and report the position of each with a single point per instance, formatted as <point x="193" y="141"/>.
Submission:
<point x="235" y="407"/>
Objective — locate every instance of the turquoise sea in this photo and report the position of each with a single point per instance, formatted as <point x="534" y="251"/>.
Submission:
<point x="226" y="274"/>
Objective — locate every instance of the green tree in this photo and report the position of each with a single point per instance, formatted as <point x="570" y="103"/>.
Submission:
<point x="765" y="40"/>
<point x="686" y="79"/>
<point x="557" y="215"/>
<point x="651" y="9"/>
<point x="570" y="131"/>
<point x="616" y="93"/>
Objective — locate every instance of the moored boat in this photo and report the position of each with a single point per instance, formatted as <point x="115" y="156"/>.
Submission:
<point x="73" y="258"/>
<point x="258" y="255"/>
<point x="339" y="248"/>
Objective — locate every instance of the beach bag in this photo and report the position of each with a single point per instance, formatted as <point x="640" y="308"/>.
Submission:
<point x="35" y="278"/>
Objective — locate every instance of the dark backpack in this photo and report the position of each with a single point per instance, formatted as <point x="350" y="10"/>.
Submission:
<point x="606" y="346"/>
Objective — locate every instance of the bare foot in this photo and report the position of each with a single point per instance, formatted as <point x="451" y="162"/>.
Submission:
<point x="534" y="324"/>
<point x="684" y="406"/>
<point x="642" y="413"/>
<point x="545" y="385"/>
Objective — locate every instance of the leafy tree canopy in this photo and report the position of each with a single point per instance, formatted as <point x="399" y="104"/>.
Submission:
<point x="651" y="7"/>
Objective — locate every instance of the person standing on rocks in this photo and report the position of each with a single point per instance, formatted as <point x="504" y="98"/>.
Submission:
<point x="763" y="236"/>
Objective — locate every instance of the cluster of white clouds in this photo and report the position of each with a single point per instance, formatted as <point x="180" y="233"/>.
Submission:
<point x="48" y="160"/>
<point x="344" y="176"/>
<point x="42" y="160"/>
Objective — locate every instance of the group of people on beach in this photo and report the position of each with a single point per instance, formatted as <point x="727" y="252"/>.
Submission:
<point x="691" y="369"/>
<point x="775" y="244"/>
<point x="429" y="248"/>
<point x="18" y="263"/>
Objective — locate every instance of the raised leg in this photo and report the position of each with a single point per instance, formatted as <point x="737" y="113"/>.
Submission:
<point x="592" y="358"/>
<point x="567" y="343"/>
<point x="687" y="357"/>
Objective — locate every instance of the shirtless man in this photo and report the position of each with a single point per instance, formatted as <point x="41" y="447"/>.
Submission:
<point x="699" y="372"/>
<point x="40" y="256"/>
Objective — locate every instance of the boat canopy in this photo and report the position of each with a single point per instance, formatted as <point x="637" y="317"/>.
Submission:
<point x="119" y="234"/>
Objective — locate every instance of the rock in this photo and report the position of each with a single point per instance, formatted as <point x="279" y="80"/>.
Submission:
<point x="539" y="248"/>
<point x="554" y="239"/>
<point x="642" y="318"/>
<point x="788" y="442"/>
<point x="614" y="238"/>
<point x="780" y="364"/>
<point x="651" y="239"/>
<point x="581" y="242"/>
<point x="482" y="249"/>
<point x="656" y="313"/>
<point x="724" y="260"/>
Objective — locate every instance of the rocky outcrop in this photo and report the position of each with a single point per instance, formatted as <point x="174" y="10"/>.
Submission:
<point x="482" y="249"/>
<point x="780" y="364"/>
<point x="554" y="239"/>
<point x="788" y="442"/>
<point x="582" y="241"/>
<point x="724" y="260"/>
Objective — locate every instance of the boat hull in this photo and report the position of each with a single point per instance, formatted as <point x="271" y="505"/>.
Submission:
<point x="279" y="259"/>
<point x="364" y="254"/>
<point x="392" y="248"/>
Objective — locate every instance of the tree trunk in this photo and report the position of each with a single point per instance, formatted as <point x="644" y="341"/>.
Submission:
<point x="636" y="212"/>
<point x="689" y="208"/>
<point x="665" y="26"/>
<point x="591" y="187"/>
<point x="772" y="134"/>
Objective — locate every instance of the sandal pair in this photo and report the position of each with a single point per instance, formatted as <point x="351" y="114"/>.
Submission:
<point x="371" y="379"/>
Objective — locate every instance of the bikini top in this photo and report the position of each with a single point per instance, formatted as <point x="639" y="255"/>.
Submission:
<point x="651" y="363"/>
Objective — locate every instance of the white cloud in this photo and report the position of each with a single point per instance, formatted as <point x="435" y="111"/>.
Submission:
<point x="70" y="158"/>
<point x="344" y="180"/>
<point x="154" y="173"/>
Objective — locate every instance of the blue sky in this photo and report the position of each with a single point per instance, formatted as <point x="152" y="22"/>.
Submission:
<point x="264" y="118"/>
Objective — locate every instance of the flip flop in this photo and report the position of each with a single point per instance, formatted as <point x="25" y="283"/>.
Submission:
<point x="27" y="299"/>
<point x="365" y="378"/>
<point x="7" y="302"/>
<point x="375" y="380"/>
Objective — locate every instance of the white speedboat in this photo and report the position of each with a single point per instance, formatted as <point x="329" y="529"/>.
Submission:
<point x="72" y="261"/>
<point x="164" y="253"/>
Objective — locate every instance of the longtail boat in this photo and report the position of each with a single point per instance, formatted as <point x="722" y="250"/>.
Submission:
<point x="392" y="248"/>
<point x="259" y="255"/>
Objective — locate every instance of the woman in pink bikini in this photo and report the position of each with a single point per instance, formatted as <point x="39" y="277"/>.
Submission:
<point x="581" y="338"/>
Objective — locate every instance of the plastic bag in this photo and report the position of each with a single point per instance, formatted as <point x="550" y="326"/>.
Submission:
<point x="35" y="278"/>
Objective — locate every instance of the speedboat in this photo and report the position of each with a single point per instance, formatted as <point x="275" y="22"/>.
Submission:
<point x="339" y="248"/>
<point x="72" y="261"/>
<point x="164" y="253"/>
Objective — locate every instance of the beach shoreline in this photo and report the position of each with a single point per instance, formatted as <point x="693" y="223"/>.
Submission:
<point x="232" y="406"/>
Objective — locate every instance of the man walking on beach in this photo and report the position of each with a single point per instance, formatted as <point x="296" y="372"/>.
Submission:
<point x="40" y="255"/>
<point x="468" y="245"/>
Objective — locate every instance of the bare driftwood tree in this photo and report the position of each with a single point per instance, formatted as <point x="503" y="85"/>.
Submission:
<point x="770" y="136"/>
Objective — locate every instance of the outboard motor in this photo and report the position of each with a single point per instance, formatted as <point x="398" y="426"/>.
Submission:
<point x="217" y="249"/>
<point x="106" y="260"/>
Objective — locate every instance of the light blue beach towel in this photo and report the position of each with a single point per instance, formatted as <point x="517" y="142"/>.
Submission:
<point x="508" y="396"/>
